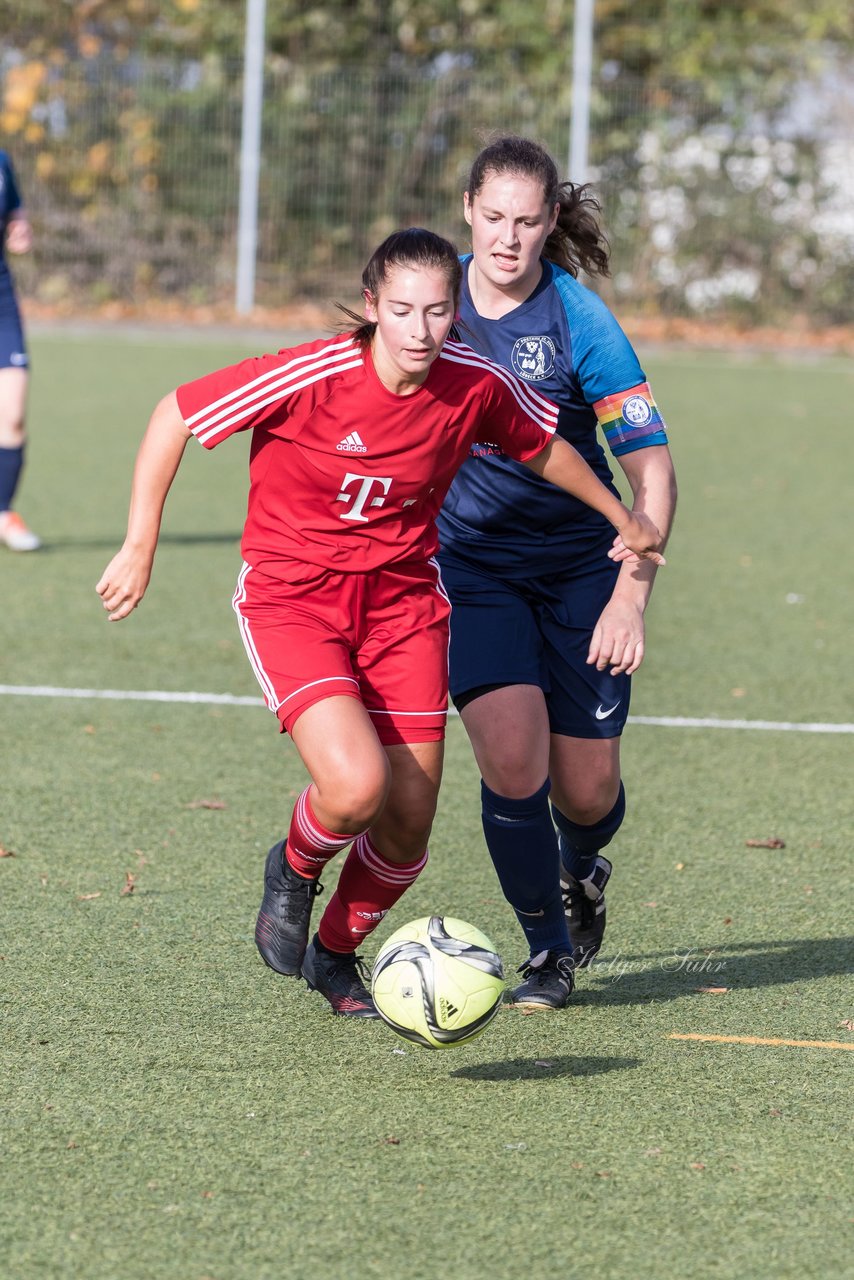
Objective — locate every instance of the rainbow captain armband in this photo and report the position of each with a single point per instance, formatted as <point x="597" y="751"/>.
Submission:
<point x="630" y="419"/>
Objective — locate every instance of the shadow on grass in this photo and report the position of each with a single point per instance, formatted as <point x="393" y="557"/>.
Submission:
<point x="660" y="976"/>
<point x="544" y="1069"/>
<point x="52" y="545"/>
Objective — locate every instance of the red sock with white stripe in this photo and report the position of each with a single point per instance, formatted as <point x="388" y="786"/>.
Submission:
<point x="368" y="887"/>
<point x="310" y="846"/>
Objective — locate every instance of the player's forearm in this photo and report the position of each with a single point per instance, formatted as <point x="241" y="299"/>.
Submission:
<point x="157" y="462"/>
<point x="564" y="467"/>
<point x="653" y="482"/>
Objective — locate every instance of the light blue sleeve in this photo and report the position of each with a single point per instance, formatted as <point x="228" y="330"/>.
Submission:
<point x="605" y="364"/>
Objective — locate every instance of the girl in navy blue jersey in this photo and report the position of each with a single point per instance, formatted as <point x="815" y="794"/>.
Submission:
<point x="546" y="631"/>
<point x="16" y="236"/>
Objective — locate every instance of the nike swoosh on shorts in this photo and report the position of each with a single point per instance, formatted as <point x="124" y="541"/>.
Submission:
<point x="603" y="715"/>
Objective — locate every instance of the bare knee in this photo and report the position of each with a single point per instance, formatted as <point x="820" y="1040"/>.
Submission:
<point x="12" y="431"/>
<point x="356" y="797"/>
<point x="587" y="801"/>
<point x="13" y="399"/>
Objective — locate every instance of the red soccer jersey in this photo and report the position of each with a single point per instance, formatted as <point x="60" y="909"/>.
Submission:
<point x="345" y="474"/>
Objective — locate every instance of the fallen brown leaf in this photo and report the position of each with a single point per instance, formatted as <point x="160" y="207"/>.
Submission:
<point x="713" y="991"/>
<point x="848" y="1024"/>
<point x="87" y="897"/>
<point x="129" y="885"/>
<point x="206" y="804"/>
<point x="392" y="1141"/>
<point x="7" y="853"/>
<point x="770" y="843"/>
<point x="697" y="1164"/>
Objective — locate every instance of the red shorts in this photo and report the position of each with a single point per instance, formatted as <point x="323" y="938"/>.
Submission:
<point x="381" y="637"/>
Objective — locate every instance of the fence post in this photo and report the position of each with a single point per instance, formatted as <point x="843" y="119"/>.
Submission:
<point x="250" y="154"/>
<point x="582" y="76"/>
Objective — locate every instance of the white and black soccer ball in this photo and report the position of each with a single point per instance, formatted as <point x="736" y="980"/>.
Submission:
<point x="438" y="981"/>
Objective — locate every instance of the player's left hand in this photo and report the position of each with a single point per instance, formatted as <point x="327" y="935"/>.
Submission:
<point x="618" y="638"/>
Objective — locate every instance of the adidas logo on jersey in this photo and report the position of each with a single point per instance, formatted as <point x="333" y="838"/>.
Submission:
<point x="352" y="444"/>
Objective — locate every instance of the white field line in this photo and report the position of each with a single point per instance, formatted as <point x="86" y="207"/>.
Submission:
<point x="233" y="700"/>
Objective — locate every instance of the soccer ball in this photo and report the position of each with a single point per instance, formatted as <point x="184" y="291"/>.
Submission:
<point x="437" y="981"/>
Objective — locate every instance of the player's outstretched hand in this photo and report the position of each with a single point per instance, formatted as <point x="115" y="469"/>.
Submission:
<point x="122" y="584"/>
<point x="638" y="539"/>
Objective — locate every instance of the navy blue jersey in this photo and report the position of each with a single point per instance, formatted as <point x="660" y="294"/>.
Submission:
<point x="10" y="199"/>
<point x="565" y="341"/>
<point x="12" y="350"/>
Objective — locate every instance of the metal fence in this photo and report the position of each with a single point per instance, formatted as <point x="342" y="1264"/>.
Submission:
<point x="713" y="204"/>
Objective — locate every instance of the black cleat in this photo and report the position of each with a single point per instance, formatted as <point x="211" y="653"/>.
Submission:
<point x="549" y="982"/>
<point x="281" y="930"/>
<point x="340" y="979"/>
<point x="584" y="905"/>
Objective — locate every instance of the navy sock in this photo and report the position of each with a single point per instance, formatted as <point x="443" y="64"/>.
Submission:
<point x="521" y="840"/>
<point x="11" y="465"/>
<point x="579" y="845"/>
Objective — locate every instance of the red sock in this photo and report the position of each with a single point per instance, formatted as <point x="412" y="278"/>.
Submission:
<point x="310" y="846"/>
<point x="368" y="887"/>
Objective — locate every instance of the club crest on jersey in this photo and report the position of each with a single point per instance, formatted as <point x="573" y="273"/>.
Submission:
<point x="637" y="411"/>
<point x="533" y="358"/>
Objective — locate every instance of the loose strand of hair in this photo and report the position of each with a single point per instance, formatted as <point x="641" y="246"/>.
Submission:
<point x="363" y="331"/>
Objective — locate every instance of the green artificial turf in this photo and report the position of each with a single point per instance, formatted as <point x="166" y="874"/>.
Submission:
<point x="171" y="1109"/>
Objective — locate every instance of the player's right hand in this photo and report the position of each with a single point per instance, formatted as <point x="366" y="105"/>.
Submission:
<point x="638" y="539"/>
<point x="122" y="584"/>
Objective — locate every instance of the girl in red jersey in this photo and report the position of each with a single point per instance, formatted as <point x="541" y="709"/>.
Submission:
<point x="355" y="441"/>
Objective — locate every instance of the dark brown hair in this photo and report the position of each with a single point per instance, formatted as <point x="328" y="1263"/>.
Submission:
<point x="577" y="242"/>
<point x="413" y="247"/>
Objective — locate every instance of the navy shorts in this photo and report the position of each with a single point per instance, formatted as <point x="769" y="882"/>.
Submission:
<point x="13" y="351"/>
<point x="537" y="631"/>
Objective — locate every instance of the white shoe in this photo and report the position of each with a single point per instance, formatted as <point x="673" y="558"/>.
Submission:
<point x="15" y="533"/>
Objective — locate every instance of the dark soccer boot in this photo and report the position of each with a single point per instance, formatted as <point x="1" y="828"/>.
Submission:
<point x="281" y="930"/>
<point x="584" y="906"/>
<point x="549" y="982"/>
<point x="340" y="979"/>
